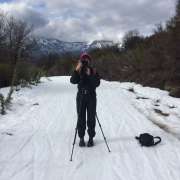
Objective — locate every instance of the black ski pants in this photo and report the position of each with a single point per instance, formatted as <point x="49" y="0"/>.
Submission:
<point x="86" y="107"/>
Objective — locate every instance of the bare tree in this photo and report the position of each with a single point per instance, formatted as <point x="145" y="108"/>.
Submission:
<point x="2" y="30"/>
<point x="18" y="34"/>
<point x="131" y="39"/>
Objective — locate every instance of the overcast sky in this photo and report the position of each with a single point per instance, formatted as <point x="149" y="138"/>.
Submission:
<point x="87" y="20"/>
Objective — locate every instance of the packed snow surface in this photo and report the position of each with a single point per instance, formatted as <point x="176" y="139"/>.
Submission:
<point x="37" y="132"/>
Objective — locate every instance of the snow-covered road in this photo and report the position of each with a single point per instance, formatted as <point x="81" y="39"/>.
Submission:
<point x="43" y="119"/>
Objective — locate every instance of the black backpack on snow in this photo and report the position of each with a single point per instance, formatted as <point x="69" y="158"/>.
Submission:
<point x="148" y="140"/>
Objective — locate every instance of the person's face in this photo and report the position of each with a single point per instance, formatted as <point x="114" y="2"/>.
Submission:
<point x="85" y="61"/>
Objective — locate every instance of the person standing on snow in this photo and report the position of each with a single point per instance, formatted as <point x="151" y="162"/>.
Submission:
<point x="88" y="80"/>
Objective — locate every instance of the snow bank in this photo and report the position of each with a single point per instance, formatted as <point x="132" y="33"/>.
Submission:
<point x="157" y="106"/>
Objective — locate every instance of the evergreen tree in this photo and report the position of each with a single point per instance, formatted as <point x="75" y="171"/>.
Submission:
<point x="2" y="105"/>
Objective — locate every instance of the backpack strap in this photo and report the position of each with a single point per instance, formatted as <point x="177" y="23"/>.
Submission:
<point x="159" y="140"/>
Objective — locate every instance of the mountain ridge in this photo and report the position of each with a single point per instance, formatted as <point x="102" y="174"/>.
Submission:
<point x="46" y="46"/>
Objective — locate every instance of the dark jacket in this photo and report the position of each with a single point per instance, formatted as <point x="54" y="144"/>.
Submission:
<point x="88" y="82"/>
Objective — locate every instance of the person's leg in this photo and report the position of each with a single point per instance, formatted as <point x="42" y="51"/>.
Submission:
<point x="81" y="113"/>
<point x="91" y="112"/>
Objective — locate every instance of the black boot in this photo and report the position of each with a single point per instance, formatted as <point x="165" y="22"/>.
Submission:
<point x="90" y="142"/>
<point x="81" y="142"/>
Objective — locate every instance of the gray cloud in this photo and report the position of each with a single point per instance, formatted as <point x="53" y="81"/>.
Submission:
<point x="26" y="13"/>
<point x="78" y="20"/>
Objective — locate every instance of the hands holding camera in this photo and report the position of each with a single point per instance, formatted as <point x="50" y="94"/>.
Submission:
<point x="79" y="67"/>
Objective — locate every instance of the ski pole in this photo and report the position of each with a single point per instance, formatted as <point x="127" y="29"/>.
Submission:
<point x="102" y="133"/>
<point x="76" y="130"/>
<point x="73" y="143"/>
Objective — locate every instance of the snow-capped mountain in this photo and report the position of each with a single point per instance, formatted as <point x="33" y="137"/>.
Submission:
<point x="45" y="46"/>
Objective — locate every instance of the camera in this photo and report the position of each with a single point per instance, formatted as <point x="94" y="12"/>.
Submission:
<point x="85" y="65"/>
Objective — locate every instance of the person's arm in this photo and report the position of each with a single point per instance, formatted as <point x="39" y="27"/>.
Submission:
<point x="75" y="78"/>
<point x="94" y="79"/>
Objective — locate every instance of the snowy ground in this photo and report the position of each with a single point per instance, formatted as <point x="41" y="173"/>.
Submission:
<point x="37" y="133"/>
